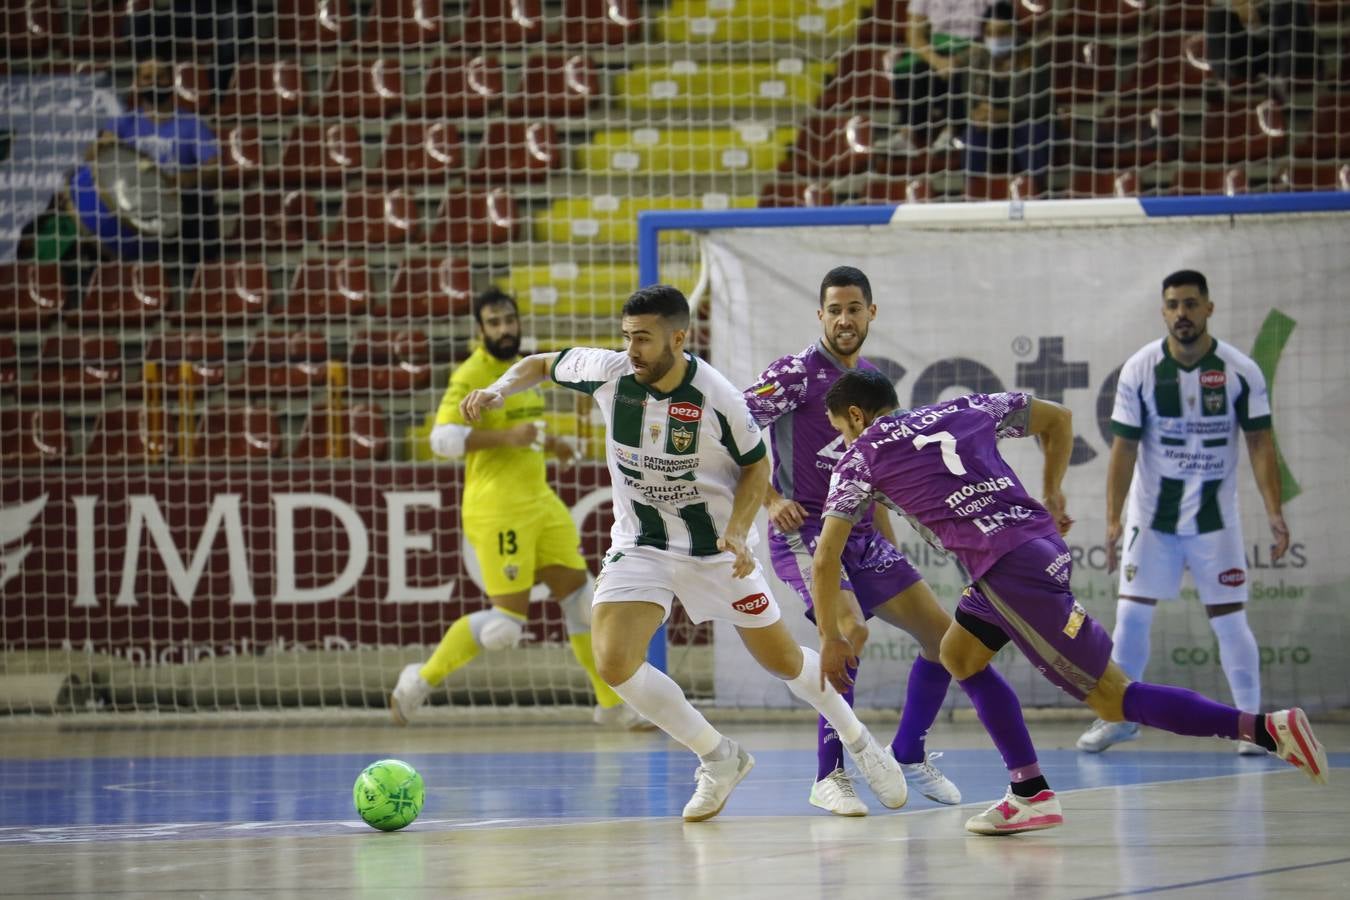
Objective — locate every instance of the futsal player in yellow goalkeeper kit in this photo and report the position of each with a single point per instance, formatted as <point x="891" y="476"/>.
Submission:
<point x="520" y="530"/>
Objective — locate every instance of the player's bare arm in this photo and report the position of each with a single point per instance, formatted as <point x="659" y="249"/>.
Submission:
<point x="522" y="376"/>
<point x="837" y="653"/>
<point x="785" y="514"/>
<point x="1119" y="474"/>
<point x="1266" y="468"/>
<point x="1053" y="424"/>
<point x="744" y="506"/>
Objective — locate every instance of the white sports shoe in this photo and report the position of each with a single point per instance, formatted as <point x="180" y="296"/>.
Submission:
<point x="621" y="716"/>
<point x="1105" y="734"/>
<point x="715" y="783"/>
<point x="410" y="693"/>
<point x="1015" y="814"/>
<point x="1296" y="744"/>
<point x="1247" y="748"/>
<point x="834" y="793"/>
<point x="883" y="774"/>
<point x="925" y="778"/>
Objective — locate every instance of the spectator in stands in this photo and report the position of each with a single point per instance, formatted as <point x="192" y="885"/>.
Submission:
<point x="198" y="31"/>
<point x="1247" y="41"/>
<point x="929" y="76"/>
<point x="1011" y="99"/>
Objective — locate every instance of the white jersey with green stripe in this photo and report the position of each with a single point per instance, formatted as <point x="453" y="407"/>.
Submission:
<point x="674" y="458"/>
<point x="1187" y="420"/>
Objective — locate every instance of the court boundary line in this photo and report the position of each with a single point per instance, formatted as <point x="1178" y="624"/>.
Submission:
<point x="1182" y="885"/>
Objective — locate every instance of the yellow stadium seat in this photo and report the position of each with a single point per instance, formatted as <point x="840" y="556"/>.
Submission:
<point x="693" y="85"/>
<point x="758" y="20"/>
<point x="745" y="149"/>
<point x="607" y="219"/>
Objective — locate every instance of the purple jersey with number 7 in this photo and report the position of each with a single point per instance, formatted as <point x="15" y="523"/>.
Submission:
<point x="939" y="467"/>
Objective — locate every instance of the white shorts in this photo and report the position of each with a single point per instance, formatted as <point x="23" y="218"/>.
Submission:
<point x="1152" y="563"/>
<point x="705" y="585"/>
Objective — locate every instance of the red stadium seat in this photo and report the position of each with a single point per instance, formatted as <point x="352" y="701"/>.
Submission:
<point x="1209" y="180"/>
<point x="1240" y="133"/>
<point x="1035" y="18"/>
<point x="226" y="293"/>
<point x="266" y="89"/>
<point x="1094" y="18"/>
<point x="123" y="295"/>
<point x="1182" y="15"/>
<point x="862" y="80"/>
<point x="368" y="87"/>
<point x="192" y="88"/>
<point x="27" y="28"/>
<point x="779" y="194"/>
<point x="355" y="433"/>
<point x="329" y="289"/>
<point x="476" y="218"/>
<point x="503" y="22"/>
<point x="276" y="219"/>
<point x="389" y="362"/>
<point x="886" y="191"/>
<point x="104" y="27"/>
<point x="1329" y="136"/>
<point x="517" y="153"/>
<point x="314" y="154"/>
<point x="72" y="368"/>
<point x="313" y="26"/>
<point x="241" y="155"/>
<point x="429" y="288"/>
<point x="284" y="362"/>
<point x="9" y="364"/>
<point x="1083" y="70"/>
<point x="238" y="431"/>
<point x="831" y="146"/>
<point x="31" y="294"/>
<point x="1132" y="135"/>
<point x="1312" y="177"/>
<point x="418" y="153"/>
<point x="555" y="85"/>
<point x="405" y="23"/>
<point x="1000" y="187"/>
<point x="1168" y="66"/>
<point x="131" y="435"/>
<point x="884" y="24"/>
<point x="460" y="87"/>
<point x="599" y="22"/>
<point x="373" y="217"/>
<point x="31" y="435"/>
<point x="1105" y="183"/>
<point x="202" y="353"/>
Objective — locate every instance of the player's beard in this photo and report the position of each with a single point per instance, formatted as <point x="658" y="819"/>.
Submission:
<point x="654" y="372"/>
<point x="1195" y="335"/>
<point x="861" y="331"/>
<point x="505" y="347"/>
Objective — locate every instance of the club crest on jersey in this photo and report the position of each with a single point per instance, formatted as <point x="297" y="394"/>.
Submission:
<point x="681" y="439"/>
<point x="1214" y="401"/>
<point x="1213" y="378"/>
<point x="655" y="431"/>
<point x="1130" y="571"/>
<point x="685" y="412"/>
<point x="511" y="571"/>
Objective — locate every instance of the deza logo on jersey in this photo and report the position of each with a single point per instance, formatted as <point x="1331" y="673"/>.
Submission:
<point x="752" y="605"/>
<point x="1232" y="577"/>
<point x="686" y="412"/>
<point x="1213" y="378"/>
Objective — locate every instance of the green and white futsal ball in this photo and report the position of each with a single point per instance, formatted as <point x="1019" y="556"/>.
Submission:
<point x="389" y="794"/>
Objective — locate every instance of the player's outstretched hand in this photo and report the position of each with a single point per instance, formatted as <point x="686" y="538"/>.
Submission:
<point x="836" y="657"/>
<point x="1280" y="532"/>
<point x="786" y="515"/>
<point x="1113" y="532"/>
<point x="478" y="402"/>
<point x="745" y="560"/>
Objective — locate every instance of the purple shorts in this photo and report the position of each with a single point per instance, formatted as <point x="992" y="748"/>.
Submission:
<point x="874" y="570"/>
<point x="1026" y="596"/>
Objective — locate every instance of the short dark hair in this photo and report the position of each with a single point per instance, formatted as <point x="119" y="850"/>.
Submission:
<point x="1186" y="278"/>
<point x="493" y="296"/>
<point x="846" y="276"/>
<point x="659" y="300"/>
<point x="867" y="389"/>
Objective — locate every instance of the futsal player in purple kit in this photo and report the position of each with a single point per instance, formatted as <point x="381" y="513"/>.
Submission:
<point x="939" y="466"/>
<point x="788" y="400"/>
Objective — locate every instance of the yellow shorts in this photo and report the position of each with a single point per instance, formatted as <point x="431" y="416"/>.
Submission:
<point x="511" y="549"/>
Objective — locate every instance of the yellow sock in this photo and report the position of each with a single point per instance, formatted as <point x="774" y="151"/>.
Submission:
<point x="581" y="649"/>
<point x="456" y="649"/>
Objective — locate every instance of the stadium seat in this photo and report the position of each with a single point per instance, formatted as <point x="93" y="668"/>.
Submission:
<point x="653" y="151"/>
<point x="1240" y="133"/>
<point x="71" y="368"/>
<point x="1296" y="176"/>
<point x="201" y="352"/>
<point x="496" y="22"/>
<point x="358" y="432"/>
<point x="329" y="289"/>
<point x="284" y="362"/>
<point x="375" y="217"/>
<point x="884" y="24"/>
<point x="1329" y="135"/>
<point x="555" y="85"/>
<point x="405" y="23"/>
<point x="313" y="26"/>
<point x="129" y="435"/>
<point x="862" y="80"/>
<point x="778" y="21"/>
<point x="599" y="22"/>
<point x="606" y="219"/>
<point x="778" y="194"/>
<point x="241" y="155"/>
<point x="265" y="89"/>
<point x="9" y="364"/>
<point x="315" y="154"/>
<point x="1168" y="66"/>
<point x="1095" y="18"/>
<point x="429" y="288"/>
<point x="238" y="431"/>
<point x="516" y="153"/>
<point x="31" y="294"/>
<point x="366" y="87"/>
<point x="1228" y="182"/>
<point x="389" y="362"/>
<point x="885" y="191"/>
<point x="475" y="218"/>
<point x="192" y="88"/>
<point x="103" y="27"/>
<point x="1035" y="18"/>
<point x="686" y="85"/>
<point x="1000" y="187"/>
<point x="1105" y="183"/>
<point x="1182" y="15"/>
<point x="1084" y="71"/>
<point x="831" y="146"/>
<point x="460" y="87"/>
<point x="27" y="28"/>
<point x="277" y="219"/>
<point x="32" y="435"/>
<point x="420" y="153"/>
<point x="1129" y="135"/>
<point x="226" y="293"/>
<point x="123" y="295"/>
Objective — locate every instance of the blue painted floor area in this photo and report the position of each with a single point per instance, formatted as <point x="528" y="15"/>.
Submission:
<point x="156" y="798"/>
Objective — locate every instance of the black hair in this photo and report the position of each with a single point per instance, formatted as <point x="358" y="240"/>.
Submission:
<point x="867" y="389"/>
<point x="1000" y="11"/>
<point x="659" y="300"/>
<point x="846" y="276"/>
<point x="1186" y="278"/>
<point x="493" y="296"/>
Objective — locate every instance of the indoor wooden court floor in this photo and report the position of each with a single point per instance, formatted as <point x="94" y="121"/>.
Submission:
<point x="260" y="809"/>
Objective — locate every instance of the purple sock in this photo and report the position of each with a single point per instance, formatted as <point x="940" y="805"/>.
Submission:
<point x="829" y="749"/>
<point x="1001" y="714"/>
<point x="1181" y="711"/>
<point x="924" y="696"/>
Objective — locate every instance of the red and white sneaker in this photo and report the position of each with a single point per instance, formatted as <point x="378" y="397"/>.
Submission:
<point x="1014" y="814"/>
<point x="1296" y="744"/>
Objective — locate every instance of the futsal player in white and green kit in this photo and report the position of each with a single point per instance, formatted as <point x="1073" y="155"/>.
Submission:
<point x="1182" y="406"/>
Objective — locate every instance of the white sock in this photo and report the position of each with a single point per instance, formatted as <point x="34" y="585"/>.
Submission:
<point x="828" y="702"/>
<point x="1240" y="659"/>
<point x="652" y="693"/>
<point x="1131" y="634"/>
